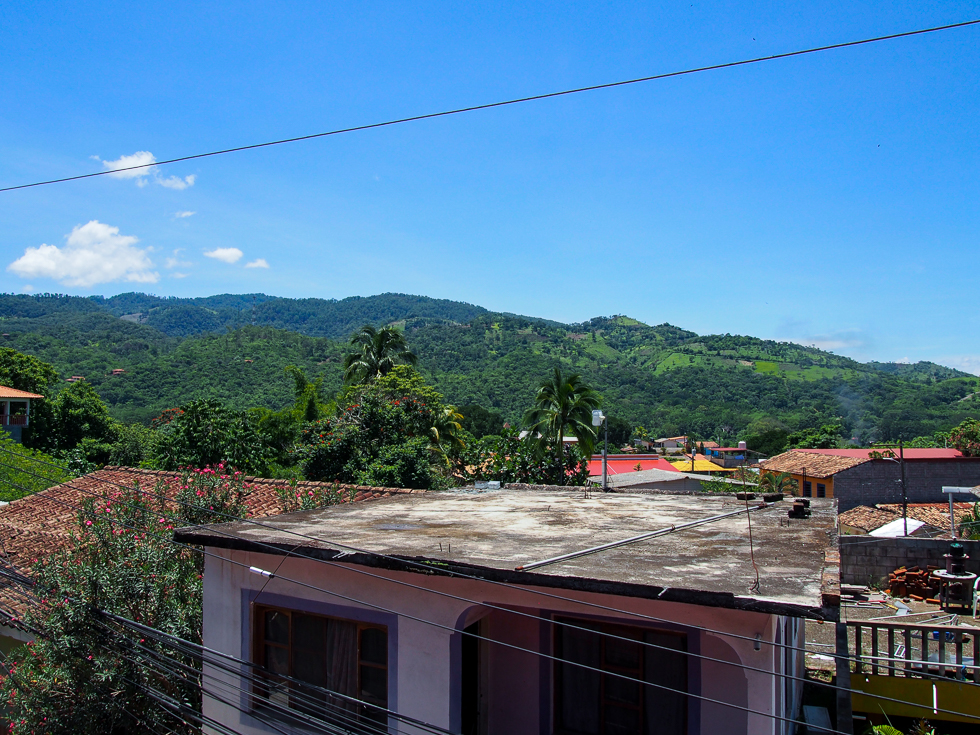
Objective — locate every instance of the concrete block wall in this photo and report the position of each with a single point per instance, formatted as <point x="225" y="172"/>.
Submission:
<point x="865" y="559"/>
<point x="878" y="481"/>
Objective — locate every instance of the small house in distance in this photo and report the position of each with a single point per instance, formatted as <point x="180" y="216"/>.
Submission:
<point x="15" y="406"/>
<point x="475" y="612"/>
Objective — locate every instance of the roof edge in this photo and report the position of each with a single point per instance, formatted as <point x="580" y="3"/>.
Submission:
<point x="447" y="568"/>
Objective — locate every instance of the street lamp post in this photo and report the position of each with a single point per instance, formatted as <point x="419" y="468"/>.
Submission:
<point x="598" y="418"/>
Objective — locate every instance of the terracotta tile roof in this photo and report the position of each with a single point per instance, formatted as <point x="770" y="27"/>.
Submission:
<point x="935" y="514"/>
<point x="816" y="465"/>
<point x="40" y="524"/>
<point x="868" y="518"/>
<point x="6" y="392"/>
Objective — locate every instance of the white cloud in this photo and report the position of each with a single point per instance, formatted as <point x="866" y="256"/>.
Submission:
<point x="125" y="167"/>
<point x="93" y="253"/>
<point x="26" y="288"/>
<point x="175" y="182"/>
<point x="180" y="275"/>
<point x="184" y="215"/>
<point x="257" y="263"/>
<point x="140" y="158"/>
<point x="176" y="262"/>
<point x="227" y="255"/>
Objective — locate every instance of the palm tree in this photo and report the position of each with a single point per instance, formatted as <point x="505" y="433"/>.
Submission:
<point x="445" y="433"/>
<point x="773" y="483"/>
<point x="562" y="403"/>
<point x="378" y="351"/>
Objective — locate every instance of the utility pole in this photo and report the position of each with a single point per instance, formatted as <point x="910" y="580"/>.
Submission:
<point x="598" y="418"/>
<point x="905" y="495"/>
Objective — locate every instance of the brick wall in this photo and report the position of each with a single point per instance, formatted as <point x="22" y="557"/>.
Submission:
<point x="878" y="481"/>
<point x="865" y="559"/>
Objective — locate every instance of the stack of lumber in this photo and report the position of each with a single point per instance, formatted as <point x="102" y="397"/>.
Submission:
<point x="915" y="583"/>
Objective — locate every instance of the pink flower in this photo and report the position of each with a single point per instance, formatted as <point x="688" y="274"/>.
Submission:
<point x="88" y="523"/>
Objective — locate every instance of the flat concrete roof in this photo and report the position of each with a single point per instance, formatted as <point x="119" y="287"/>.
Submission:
<point x="490" y="533"/>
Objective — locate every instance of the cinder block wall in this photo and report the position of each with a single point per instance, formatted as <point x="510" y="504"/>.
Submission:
<point x="878" y="481"/>
<point x="865" y="559"/>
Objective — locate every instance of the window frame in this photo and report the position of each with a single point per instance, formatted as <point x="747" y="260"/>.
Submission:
<point x="613" y="627"/>
<point x="821" y="490"/>
<point x="807" y="489"/>
<point x="259" y="643"/>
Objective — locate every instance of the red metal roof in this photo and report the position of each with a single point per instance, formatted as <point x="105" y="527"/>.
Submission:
<point x="6" y="392"/>
<point x="619" y="465"/>
<point x="935" y="453"/>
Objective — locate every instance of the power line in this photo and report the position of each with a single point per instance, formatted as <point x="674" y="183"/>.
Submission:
<point x="504" y="103"/>
<point x="453" y="630"/>
<point x="502" y="643"/>
<point x="407" y="562"/>
<point x="275" y="550"/>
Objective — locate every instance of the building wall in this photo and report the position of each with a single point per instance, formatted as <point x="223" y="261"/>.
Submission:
<point x="425" y="659"/>
<point x="865" y="559"/>
<point x="878" y="481"/>
<point x="798" y="480"/>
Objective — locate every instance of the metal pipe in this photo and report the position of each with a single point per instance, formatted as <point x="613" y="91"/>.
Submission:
<point x="634" y="539"/>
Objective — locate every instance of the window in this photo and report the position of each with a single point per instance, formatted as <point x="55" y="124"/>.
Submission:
<point x="821" y="490"/>
<point x="807" y="490"/>
<point x="595" y="701"/>
<point x="319" y="653"/>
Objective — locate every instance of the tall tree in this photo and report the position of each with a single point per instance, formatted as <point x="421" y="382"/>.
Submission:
<point x="562" y="403"/>
<point x="378" y="351"/>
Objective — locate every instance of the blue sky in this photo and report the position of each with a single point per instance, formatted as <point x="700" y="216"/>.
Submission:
<point x="830" y="199"/>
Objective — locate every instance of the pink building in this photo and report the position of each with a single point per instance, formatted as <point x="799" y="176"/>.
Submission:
<point x="477" y="613"/>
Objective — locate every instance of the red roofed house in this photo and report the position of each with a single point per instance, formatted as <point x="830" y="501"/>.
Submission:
<point x="15" y="406"/>
<point x="856" y="478"/>
<point x="618" y="464"/>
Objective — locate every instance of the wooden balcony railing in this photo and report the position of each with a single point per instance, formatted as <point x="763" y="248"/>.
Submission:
<point x="16" y="420"/>
<point x="915" y="649"/>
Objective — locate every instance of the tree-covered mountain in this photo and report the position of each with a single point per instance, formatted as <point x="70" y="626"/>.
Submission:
<point x="235" y="348"/>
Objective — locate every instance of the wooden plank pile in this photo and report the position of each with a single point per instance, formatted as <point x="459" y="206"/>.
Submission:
<point x="914" y="583"/>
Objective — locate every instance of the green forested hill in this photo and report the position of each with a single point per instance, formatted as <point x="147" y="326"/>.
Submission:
<point x="662" y="377"/>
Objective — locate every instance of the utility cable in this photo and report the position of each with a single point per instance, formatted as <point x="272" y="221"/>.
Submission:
<point x="278" y="551"/>
<point x="504" y="103"/>
<point x="500" y="643"/>
<point x="427" y="569"/>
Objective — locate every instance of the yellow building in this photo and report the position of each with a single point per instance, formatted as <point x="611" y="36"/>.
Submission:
<point x="812" y="473"/>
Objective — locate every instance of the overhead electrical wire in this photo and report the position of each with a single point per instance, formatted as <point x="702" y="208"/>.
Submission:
<point x="489" y="640"/>
<point x="504" y="103"/>
<point x="473" y="635"/>
<point x="275" y="550"/>
<point x="406" y="562"/>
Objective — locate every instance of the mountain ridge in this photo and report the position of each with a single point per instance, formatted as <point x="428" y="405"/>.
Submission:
<point x="666" y="378"/>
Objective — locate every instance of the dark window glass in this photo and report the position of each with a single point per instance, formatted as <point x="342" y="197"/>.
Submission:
<point x="320" y="656"/>
<point x="821" y="490"/>
<point x="609" y="697"/>
<point x="807" y="490"/>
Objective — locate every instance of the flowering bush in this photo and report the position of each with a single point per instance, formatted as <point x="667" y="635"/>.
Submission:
<point x="294" y="497"/>
<point x="509" y="458"/>
<point x="83" y="674"/>
<point x="382" y="435"/>
<point x="966" y="438"/>
<point x="211" y="494"/>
